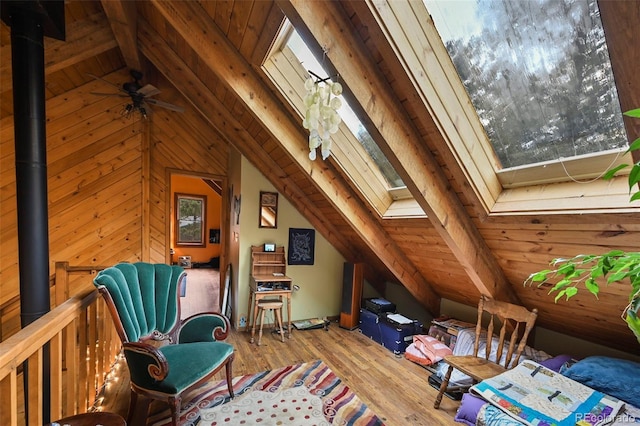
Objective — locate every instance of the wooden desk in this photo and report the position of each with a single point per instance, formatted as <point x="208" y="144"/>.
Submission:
<point x="255" y="295"/>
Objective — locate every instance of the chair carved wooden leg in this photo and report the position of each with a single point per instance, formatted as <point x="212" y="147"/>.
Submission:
<point x="230" y="377"/>
<point x="174" y="404"/>
<point x="132" y="406"/>
<point x="443" y="387"/>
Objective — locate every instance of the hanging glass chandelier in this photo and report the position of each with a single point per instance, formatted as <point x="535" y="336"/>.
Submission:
<point x="321" y="116"/>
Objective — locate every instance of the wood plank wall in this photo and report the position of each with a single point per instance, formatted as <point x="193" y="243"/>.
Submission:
<point x="179" y="143"/>
<point x="527" y="243"/>
<point x="95" y="180"/>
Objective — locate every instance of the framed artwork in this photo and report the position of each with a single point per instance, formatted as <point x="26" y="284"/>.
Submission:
<point x="191" y="211"/>
<point x="301" y="246"/>
<point x="268" y="210"/>
<point x="269" y="247"/>
<point x="214" y="236"/>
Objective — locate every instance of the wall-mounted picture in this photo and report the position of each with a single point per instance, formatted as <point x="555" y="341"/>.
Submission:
<point x="190" y="224"/>
<point x="268" y="210"/>
<point x="269" y="247"/>
<point x="214" y="236"/>
<point x="301" y="246"/>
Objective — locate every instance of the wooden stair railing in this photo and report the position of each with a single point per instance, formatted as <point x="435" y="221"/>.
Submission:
<point x="83" y="346"/>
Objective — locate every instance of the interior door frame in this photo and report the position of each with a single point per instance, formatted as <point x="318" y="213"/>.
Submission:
<point x="224" y="216"/>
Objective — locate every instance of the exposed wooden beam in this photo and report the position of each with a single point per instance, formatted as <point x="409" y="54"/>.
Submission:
<point x="190" y="21"/>
<point x="618" y="16"/>
<point x="268" y="35"/>
<point x="85" y="39"/>
<point x="123" y="19"/>
<point x="158" y="52"/>
<point x="215" y="185"/>
<point x="399" y="140"/>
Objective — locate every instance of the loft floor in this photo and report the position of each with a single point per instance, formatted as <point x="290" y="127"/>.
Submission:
<point x="394" y="388"/>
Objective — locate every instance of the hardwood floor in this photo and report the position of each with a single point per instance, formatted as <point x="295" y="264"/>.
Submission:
<point x="393" y="387"/>
<point x="202" y="292"/>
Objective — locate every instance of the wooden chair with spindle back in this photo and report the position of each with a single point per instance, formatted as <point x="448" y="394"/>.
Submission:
<point x="516" y="318"/>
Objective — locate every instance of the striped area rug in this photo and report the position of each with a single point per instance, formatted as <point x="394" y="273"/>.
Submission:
<point x="339" y="405"/>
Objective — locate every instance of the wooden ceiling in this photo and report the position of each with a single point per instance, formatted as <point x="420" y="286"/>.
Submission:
<point x="211" y="52"/>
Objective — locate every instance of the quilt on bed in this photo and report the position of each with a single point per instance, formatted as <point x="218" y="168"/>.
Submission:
<point x="537" y="396"/>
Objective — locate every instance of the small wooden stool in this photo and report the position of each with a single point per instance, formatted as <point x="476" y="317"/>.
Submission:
<point x="263" y="306"/>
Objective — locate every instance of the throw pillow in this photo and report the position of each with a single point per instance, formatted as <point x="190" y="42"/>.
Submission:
<point x="557" y="362"/>
<point x="619" y="378"/>
<point x="469" y="408"/>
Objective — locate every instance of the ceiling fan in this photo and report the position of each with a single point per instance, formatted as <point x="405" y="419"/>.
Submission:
<point x="141" y="96"/>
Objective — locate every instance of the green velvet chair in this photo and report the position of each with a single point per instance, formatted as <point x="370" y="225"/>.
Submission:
<point x="165" y="356"/>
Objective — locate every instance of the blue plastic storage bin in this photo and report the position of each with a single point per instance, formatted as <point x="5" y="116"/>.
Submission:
<point x="396" y="337"/>
<point x="370" y="325"/>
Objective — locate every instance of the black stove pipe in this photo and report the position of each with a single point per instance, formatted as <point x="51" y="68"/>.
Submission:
<point x="27" y="55"/>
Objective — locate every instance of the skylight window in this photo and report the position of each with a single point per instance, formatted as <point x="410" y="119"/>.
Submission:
<point x="538" y="75"/>
<point x="306" y="57"/>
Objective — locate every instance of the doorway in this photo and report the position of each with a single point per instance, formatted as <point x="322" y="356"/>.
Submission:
<point x="197" y="238"/>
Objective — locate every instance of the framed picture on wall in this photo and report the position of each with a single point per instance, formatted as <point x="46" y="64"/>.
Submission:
<point x="268" y="210"/>
<point x="269" y="247"/>
<point x="191" y="211"/>
<point x="301" y="246"/>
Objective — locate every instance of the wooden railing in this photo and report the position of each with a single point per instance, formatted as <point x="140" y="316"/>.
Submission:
<point x="78" y="339"/>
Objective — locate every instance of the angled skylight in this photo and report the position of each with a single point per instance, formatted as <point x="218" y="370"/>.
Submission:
<point x="306" y="57"/>
<point x="538" y="75"/>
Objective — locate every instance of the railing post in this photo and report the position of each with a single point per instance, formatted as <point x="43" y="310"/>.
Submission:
<point x="61" y="282"/>
<point x="37" y="390"/>
<point x="56" y="346"/>
<point x="61" y="289"/>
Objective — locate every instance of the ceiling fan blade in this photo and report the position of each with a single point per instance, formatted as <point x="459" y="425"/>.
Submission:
<point x="120" y="95"/>
<point x="165" y="105"/>
<point x="148" y="90"/>
<point x="120" y="89"/>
